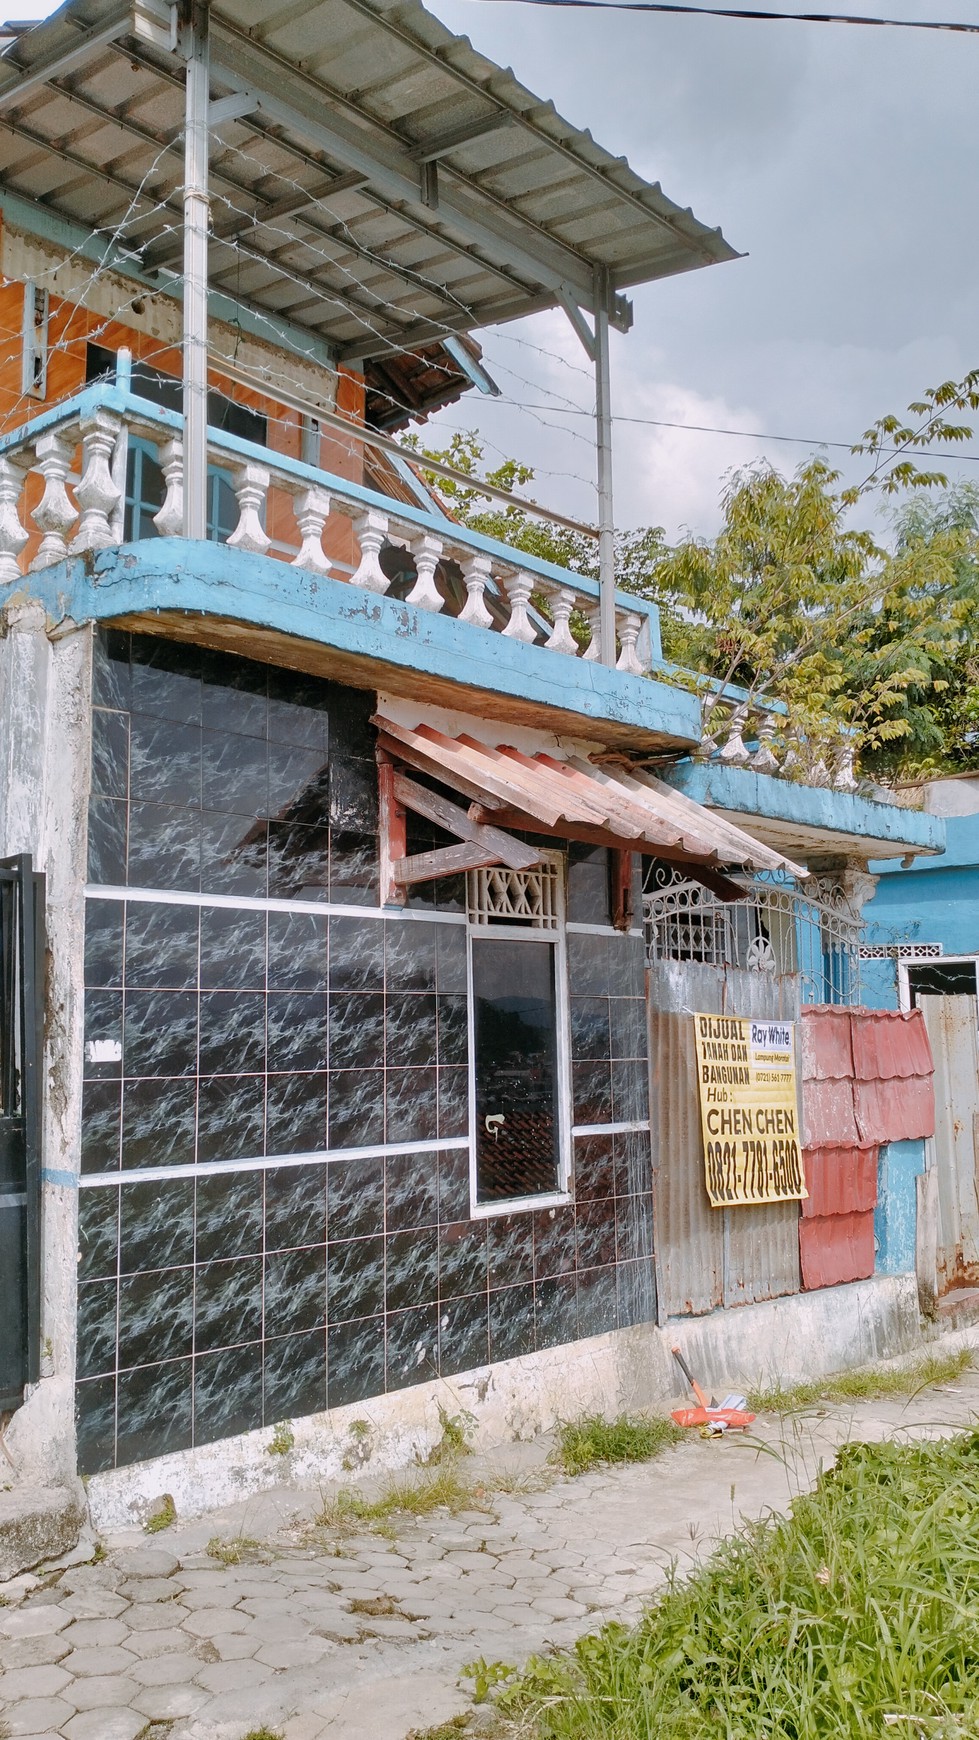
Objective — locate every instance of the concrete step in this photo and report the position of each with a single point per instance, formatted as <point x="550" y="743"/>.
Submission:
<point x="37" y="1523"/>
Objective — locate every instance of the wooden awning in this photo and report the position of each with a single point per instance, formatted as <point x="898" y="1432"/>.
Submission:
<point x="577" y="799"/>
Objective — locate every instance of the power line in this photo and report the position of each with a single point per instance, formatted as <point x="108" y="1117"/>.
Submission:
<point x="754" y="15"/>
<point x="711" y="429"/>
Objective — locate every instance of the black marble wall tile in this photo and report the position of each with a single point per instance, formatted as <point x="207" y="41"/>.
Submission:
<point x="630" y="1091"/>
<point x="355" y="1198"/>
<point x="235" y="773"/>
<point x="297" y="1030"/>
<point x="411" y="1105"/>
<point x="101" y="1125"/>
<point x="295" y="1290"/>
<point x="463" y="1259"/>
<point x="588" y="965"/>
<point x="103" y="944"/>
<point x="590" y="1028"/>
<point x="410" y="955"/>
<point x="294" y="1376"/>
<point x="162" y="946"/>
<point x="597" y="1301"/>
<point x="156" y="1225"/>
<point x="96" y="1353"/>
<point x="103" y="1035"/>
<point x="411" y="1269"/>
<point x="511" y="1321"/>
<point x="636" y="1293"/>
<point x="356" y="1108"/>
<point x="356" y="955"/>
<point x="295" y="1113"/>
<point x="450" y="953"/>
<point x="355" y="1361"/>
<point x="510" y="1249"/>
<point x="230" y="1117"/>
<point x="95" y="1414"/>
<point x="463" y="1334"/>
<point x="232" y="1032"/>
<point x="160" y="1033"/>
<point x="633" y="1227"/>
<point x="164" y="847"/>
<point x="411" y="1197"/>
<point x="229" y="1215"/>
<point x="297" y="951"/>
<point x="594" y="1234"/>
<point x="295" y="1207"/>
<point x="355" y="1279"/>
<point x="628" y="1027"/>
<point x="556" y="1311"/>
<point x="453" y="1103"/>
<point x="108" y="822"/>
<point x="234" y="852"/>
<point x="453" y="1184"/>
<point x="98" y="1233"/>
<point x="633" y="1159"/>
<point x="155" y="1411"/>
<point x="110" y="754"/>
<point x="592" y="1092"/>
<point x="227" y="1392"/>
<point x="411" y="1346"/>
<point x="166" y="678"/>
<point x="159" y="1121"/>
<point x="410" y="1030"/>
<point x="111" y="676"/>
<point x="165" y="762"/>
<point x="156" y="1316"/>
<point x="233" y="949"/>
<point x="594" y="1168"/>
<point x="227" y="1303"/>
<point x="554" y="1241"/>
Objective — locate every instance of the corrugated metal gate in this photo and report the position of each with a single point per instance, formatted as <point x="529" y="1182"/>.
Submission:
<point x="707" y="1257"/>
<point x="951" y="1024"/>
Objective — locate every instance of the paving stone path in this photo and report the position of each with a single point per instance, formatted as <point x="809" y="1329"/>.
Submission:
<point x="328" y="1635"/>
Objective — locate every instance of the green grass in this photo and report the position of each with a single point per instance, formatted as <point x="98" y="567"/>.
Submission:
<point x="591" y="1441"/>
<point x="870" y="1383"/>
<point x="164" y="1516"/>
<point x="235" y="1551"/>
<point x="442" y="1490"/>
<point x="854" y="1618"/>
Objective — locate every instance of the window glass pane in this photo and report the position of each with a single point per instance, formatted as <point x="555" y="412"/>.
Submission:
<point x="516" y="1069"/>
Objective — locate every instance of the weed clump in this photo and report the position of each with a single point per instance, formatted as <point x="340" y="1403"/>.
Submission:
<point x="283" y="1440"/>
<point x="592" y="1440"/>
<point x="858" y="1608"/>
<point x="408" y="1497"/>
<point x="163" y="1516"/>
<point x="234" y="1551"/>
<point x="870" y="1383"/>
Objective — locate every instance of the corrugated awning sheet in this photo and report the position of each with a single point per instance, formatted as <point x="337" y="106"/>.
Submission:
<point x="375" y="180"/>
<point x="576" y="798"/>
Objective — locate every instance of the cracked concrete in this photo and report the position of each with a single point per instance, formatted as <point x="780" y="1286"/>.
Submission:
<point x="327" y="1634"/>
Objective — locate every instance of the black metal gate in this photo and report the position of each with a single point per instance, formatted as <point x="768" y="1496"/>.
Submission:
<point x="21" y="1012"/>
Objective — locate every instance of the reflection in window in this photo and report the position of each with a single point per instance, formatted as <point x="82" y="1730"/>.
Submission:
<point x="517" y="1122"/>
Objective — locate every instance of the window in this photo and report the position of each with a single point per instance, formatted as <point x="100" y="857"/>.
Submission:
<point x="519" y="1035"/>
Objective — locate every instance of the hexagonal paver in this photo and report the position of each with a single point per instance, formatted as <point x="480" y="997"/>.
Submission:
<point x="98" y="1661"/>
<point x="106" y="1724"/>
<point x="170" y="1703"/>
<point x="18" y="1652"/>
<point x="32" y="1682"/>
<point x="165" y="1641"/>
<point x="213" y="1621"/>
<point x="93" y="1604"/>
<point x="101" y="1691"/>
<point x="303" y="1652"/>
<point x="94" y="1633"/>
<point x="156" y="1615"/>
<point x="31" y="1621"/>
<point x="233" y="1676"/>
<point x="146" y="1562"/>
<point x="38" y="1716"/>
<point x="166" y="1670"/>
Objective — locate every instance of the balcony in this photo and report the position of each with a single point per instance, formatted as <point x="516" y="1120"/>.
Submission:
<point x="419" y="594"/>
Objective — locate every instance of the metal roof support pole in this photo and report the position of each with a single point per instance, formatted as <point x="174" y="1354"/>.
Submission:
<point x="196" y="225"/>
<point x="603" y="445"/>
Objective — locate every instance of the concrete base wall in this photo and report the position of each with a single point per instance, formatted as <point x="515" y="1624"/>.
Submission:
<point x="784" y="1340"/>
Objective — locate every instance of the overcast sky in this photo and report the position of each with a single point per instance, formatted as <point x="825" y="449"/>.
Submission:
<point x="842" y="161"/>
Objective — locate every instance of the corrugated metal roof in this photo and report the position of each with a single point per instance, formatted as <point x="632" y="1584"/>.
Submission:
<point x="837" y="1248"/>
<point x="888" y="1043"/>
<point x="382" y="183"/>
<point x="840" y="1181"/>
<point x="899" y="1110"/>
<point x="575" y="797"/>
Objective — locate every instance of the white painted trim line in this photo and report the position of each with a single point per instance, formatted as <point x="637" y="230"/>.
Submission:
<point x="623" y="1129"/>
<point x="266" y="1162"/>
<point x="579" y="929"/>
<point x="253" y="903"/>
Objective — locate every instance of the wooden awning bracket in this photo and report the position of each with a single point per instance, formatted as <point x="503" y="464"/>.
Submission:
<point x="481" y="844"/>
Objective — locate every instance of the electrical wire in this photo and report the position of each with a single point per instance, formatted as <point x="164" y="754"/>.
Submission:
<point x="752" y="15"/>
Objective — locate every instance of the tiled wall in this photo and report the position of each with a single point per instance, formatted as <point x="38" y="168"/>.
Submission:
<point x="229" y="1274"/>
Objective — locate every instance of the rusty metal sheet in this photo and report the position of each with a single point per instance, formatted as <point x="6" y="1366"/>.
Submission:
<point x="836" y="1248"/>
<point x="709" y="1257"/>
<point x="898" y="1110"/>
<point x="839" y="1181"/>
<point x="828" y="1119"/>
<point x="826" y="1049"/>
<point x="951" y="1024"/>
<point x="887" y="1043"/>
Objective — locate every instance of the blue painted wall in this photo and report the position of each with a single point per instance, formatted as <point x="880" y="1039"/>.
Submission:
<point x="895" y="1219"/>
<point x="936" y="901"/>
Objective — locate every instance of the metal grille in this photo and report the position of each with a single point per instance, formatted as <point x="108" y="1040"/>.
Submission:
<point x="777" y="928"/>
<point x="902" y="951"/>
<point x="523" y="897"/>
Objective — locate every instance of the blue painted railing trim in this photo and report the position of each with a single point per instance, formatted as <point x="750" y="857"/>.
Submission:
<point x="740" y="790"/>
<point x="209" y="579"/>
<point x="106" y="396"/>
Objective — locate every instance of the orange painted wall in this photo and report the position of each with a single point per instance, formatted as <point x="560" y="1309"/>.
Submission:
<point x="69" y="330"/>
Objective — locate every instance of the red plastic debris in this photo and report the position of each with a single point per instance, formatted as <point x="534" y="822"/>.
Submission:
<point x="836" y="1248"/>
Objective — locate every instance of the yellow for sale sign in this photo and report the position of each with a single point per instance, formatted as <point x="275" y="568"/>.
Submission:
<point x="749" y="1109"/>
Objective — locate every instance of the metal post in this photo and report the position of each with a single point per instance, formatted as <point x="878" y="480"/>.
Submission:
<point x="603" y="443"/>
<point x="196" y="225"/>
